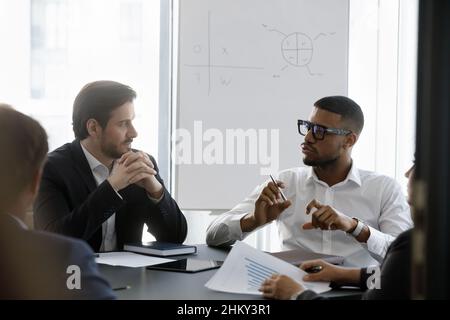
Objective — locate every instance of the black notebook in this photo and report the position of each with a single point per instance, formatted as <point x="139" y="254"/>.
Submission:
<point x="158" y="248"/>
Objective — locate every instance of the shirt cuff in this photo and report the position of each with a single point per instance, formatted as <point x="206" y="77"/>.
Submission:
<point x="117" y="192"/>
<point x="378" y="242"/>
<point x="234" y="227"/>
<point x="156" y="200"/>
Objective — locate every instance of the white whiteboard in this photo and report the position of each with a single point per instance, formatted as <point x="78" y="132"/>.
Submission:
<point x="256" y="65"/>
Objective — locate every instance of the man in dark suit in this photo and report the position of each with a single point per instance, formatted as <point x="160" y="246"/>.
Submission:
<point x="36" y="265"/>
<point x="97" y="188"/>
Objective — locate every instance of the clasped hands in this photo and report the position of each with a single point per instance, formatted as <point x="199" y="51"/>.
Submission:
<point x="137" y="168"/>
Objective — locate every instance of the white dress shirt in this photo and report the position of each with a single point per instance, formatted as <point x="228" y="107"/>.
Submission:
<point x="101" y="173"/>
<point x="375" y="199"/>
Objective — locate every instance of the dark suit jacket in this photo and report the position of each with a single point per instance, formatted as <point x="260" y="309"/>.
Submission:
<point x="395" y="273"/>
<point x="69" y="202"/>
<point x="33" y="265"/>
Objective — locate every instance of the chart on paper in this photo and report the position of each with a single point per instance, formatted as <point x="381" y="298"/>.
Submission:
<point x="257" y="273"/>
<point x="245" y="268"/>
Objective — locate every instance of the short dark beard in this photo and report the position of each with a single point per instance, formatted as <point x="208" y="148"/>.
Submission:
<point x="321" y="163"/>
<point x="111" y="152"/>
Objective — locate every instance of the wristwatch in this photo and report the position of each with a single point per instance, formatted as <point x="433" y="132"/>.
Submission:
<point x="359" y="227"/>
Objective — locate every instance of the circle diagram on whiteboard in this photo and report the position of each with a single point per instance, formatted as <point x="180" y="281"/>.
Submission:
<point x="297" y="48"/>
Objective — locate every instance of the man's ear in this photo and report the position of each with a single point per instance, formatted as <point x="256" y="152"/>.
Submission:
<point x="350" y="140"/>
<point x="93" y="127"/>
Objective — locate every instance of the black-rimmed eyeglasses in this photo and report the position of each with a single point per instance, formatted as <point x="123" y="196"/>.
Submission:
<point x="318" y="131"/>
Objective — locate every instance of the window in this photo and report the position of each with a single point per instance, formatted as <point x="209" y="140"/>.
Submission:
<point x="382" y="79"/>
<point x="60" y="45"/>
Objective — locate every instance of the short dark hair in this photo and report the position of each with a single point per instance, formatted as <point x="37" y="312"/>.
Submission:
<point x="349" y="110"/>
<point x="97" y="100"/>
<point x="24" y="146"/>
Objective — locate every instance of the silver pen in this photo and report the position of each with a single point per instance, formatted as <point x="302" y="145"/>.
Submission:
<point x="281" y="192"/>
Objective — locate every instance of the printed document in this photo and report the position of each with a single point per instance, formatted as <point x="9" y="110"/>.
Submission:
<point x="246" y="268"/>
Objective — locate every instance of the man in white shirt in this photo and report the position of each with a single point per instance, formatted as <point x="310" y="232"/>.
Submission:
<point x="332" y="207"/>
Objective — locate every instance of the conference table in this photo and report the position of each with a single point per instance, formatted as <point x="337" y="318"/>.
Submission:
<point x="145" y="284"/>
